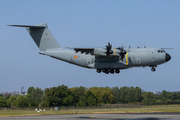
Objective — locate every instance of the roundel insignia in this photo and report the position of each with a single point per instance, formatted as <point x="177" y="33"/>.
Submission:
<point x="75" y="56"/>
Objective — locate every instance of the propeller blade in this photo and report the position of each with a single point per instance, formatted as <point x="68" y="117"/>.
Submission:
<point x="108" y="48"/>
<point x="122" y="52"/>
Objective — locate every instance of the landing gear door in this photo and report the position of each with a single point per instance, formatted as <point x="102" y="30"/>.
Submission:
<point x="88" y="61"/>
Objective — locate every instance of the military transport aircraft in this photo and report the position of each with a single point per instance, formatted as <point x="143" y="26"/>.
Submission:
<point x="107" y="60"/>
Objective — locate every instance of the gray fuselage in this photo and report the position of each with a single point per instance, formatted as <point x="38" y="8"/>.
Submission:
<point x="135" y="57"/>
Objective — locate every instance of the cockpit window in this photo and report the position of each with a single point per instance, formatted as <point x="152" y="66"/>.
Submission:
<point x="161" y="51"/>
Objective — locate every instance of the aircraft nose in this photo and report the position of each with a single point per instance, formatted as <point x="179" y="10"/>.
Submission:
<point x="168" y="57"/>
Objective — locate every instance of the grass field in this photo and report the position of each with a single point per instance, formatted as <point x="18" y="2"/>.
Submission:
<point x="151" y="106"/>
<point x="4" y="113"/>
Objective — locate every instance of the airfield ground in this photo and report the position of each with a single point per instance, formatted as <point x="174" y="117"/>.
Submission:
<point x="5" y="113"/>
<point x="109" y="116"/>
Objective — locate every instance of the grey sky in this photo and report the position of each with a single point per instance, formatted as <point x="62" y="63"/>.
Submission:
<point x="88" y="24"/>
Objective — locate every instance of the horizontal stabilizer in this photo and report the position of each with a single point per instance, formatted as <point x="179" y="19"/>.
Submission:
<point x="43" y="25"/>
<point x="27" y="26"/>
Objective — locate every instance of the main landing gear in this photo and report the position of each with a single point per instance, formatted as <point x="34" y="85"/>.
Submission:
<point x="107" y="71"/>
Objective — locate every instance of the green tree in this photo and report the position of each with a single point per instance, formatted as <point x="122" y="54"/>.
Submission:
<point x="59" y="96"/>
<point x="148" y="97"/>
<point x="54" y="98"/>
<point x="134" y="95"/>
<point x="8" y="96"/>
<point x="44" y="102"/>
<point x="11" y="100"/>
<point x="31" y="90"/>
<point x="69" y="99"/>
<point x="36" y="94"/>
<point x="129" y="95"/>
<point x="166" y="96"/>
<point x="138" y="94"/>
<point x="116" y="92"/>
<point x="82" y="101"/>
<point x="20" y="101"/>
<point x="123" y="94"/>
<point x="3" y="102"/>
<point x="91" y="99"/>
<point x="176" y="96"/>
<point x="79" y="95"/>
<point x="103" y="95"/>
<point x="30" y="101"/>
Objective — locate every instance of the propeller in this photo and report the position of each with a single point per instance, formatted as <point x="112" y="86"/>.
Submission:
<point x="108" y="48"/>
<point x="122" y="52"/>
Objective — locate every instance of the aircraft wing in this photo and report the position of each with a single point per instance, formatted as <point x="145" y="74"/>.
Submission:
<point x="98" y="52"/>
<point x="83" y="50"/>
<point x="101" y="52"/>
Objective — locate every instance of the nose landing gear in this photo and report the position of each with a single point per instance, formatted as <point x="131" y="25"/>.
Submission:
<point x="153" y="69"/>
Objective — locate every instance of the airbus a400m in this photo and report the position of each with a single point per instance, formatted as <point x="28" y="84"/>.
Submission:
<point x="107" y="60"/>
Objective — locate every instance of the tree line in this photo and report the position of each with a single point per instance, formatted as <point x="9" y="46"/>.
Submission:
<point x="82" y="96"/>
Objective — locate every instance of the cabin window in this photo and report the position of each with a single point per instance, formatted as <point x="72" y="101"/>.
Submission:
<point x="159" y="51"/>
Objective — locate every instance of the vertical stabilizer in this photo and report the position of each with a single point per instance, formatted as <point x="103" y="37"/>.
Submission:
<point x="41" y="36"/>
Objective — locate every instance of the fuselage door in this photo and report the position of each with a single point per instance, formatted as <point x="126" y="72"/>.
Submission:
<point x="88" y="61"/>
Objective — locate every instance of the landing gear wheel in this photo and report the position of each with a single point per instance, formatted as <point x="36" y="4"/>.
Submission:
<point x="98" y="70"/>
<point x="153" y="69"/>
<point x="117" y="71"/>
<point x="112" y="71"/>
<point x="107" y="72"/>
<point x="103" y="70"/>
